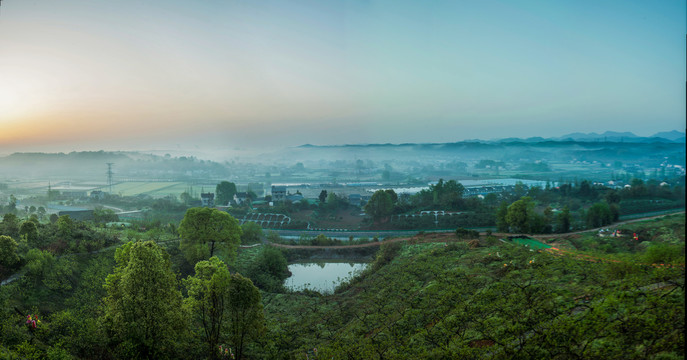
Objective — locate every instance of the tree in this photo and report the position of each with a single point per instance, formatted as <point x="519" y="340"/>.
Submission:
<point x="251" y="233"/>
<point x="585" y="190"/>
<point x="10" y="225"/>
<point x="447" y="194"/>
<point x="224" y="192"/>
<point x="41" y="212"/>
<point x="394" y="196"/>
<point x="246" y="318"/>
<point x="38" y="264"/>
<point x="12" y="206"/>
<point x="323" y="196"/>
<point x="599" y="214"/>
<point x="143" y="312"/>
<point x="519" y="213"/>
<point x="336" y="202"/>
<point x="185" y="198"/>
<point x="637" y="189"/>
<point x="29" y="231"/>
<point x="563" y="220"/>
<point x="8" y="254"/>
<point x="380" y="205"/>
<point x="202" y="227"/>
<point x="101" y="215"/>
<point x="208" y="300"/>
<point x="65" y="226"/>
<point x="501" y="223"/>
<point x="612" y="196"/>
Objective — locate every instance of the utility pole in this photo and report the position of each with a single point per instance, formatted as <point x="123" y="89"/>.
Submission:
<point x="109" y="176"/>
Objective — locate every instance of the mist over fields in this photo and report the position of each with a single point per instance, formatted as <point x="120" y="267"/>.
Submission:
<point x="538" y="158"/>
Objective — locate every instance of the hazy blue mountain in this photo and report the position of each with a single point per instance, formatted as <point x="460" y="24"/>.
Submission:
<point x="606" y="136"/>
<point x="671" y="135"/>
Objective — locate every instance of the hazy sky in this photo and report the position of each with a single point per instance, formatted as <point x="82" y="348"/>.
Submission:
<point x="78" y="74"/>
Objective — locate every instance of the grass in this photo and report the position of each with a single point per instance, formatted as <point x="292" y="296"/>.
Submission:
<point x="534" y="244"/>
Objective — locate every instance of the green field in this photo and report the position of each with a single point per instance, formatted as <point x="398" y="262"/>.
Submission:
<point x="159" y="189"/>
<point x="531" y="243"/>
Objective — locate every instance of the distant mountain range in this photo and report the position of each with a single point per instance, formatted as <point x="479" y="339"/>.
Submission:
<point x="666" y="137"/>
<point x="608" y="136"/>
<point x="613" y="136"/>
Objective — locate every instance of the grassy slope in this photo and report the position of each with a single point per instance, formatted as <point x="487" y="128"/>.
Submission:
<point x="449" y="301"/>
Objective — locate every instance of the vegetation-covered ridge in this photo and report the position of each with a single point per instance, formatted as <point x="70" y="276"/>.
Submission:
<point x="498" y="300"/>
<point x="142" y="294"/>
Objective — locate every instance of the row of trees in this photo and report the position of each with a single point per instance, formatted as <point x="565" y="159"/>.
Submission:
<point x="521" y="216"/>
<point x="525" y="209"/>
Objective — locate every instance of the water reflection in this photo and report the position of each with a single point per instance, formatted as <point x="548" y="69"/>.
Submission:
<point x="323" y="276"/>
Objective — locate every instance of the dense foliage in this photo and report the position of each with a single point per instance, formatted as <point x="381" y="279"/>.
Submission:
<point x="467" y="296"/>
<point x="504" y="302"/>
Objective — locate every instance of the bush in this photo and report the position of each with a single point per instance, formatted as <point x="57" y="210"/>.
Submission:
<point x="251" y="233"/>
<point x="467" y="233"/>
<point x="387" y="252"/>
<point x="269" y="269"/>
<point x="664" y="254"/>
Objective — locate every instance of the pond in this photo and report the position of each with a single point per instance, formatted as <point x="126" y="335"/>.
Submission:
<point x="322" y="277"/>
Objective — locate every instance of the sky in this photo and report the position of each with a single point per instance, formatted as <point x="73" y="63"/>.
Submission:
<point x="130" y="74"/>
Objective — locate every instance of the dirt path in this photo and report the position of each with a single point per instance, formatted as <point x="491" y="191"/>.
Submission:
<point x="548" y="236"/>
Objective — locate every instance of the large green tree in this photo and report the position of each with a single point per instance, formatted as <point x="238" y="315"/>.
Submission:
<point x="224" y="192"/>
<point x="208" y="301"/>
<point x="203" y="230"/>
<point x="246" y="316"/>
<point x="599" y="214"/>
<point x="380" y="205"/>
<point x="447" y="194"/>
<point x="143" y="308"/>
<point x="520" y="213"/>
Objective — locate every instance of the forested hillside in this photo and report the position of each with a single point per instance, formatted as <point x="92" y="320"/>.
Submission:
<point x="430" y="296"/>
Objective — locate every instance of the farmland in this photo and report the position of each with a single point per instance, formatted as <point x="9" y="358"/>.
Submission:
<point x="159" y="188"/>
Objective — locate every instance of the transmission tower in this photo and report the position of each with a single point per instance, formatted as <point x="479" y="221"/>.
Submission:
<point x="109" y="176"/>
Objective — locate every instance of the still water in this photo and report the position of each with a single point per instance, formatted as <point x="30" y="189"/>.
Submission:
<point x="322" y="277"/>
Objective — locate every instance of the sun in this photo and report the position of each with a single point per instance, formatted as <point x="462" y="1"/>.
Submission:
<point x="16" y="99"/>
